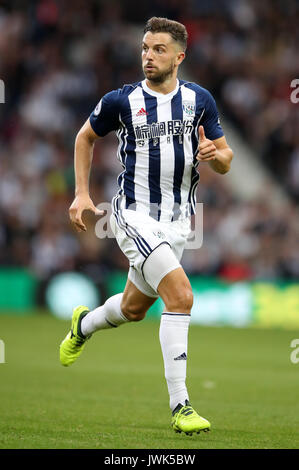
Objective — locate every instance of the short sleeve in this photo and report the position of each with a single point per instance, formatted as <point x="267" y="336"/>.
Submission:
<point x="105" y="116"/>
<point x="211" y="120"/>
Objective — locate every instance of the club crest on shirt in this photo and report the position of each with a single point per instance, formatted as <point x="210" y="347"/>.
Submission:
<point x="189" y="108"/>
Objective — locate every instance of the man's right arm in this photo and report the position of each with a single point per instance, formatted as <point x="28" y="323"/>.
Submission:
<point x="84" y="145"/>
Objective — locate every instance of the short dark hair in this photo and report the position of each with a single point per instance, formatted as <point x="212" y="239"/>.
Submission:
<point x="177" y="30"/>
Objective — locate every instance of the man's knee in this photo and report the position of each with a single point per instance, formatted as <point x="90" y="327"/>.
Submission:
<point x="133" y="312"/>
<point x="176" y="292"/>
<point x="180" y="300"/>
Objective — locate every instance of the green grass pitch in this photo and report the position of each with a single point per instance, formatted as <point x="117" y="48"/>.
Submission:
<point x="115" y="395"/>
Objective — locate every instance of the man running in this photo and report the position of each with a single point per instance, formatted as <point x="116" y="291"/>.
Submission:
<point x="165" y="127"/>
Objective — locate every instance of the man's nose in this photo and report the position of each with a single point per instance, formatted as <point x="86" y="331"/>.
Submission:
<point x="149" y="54"/>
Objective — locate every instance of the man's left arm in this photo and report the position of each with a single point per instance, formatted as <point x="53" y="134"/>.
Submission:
<point x="217" y="152"/>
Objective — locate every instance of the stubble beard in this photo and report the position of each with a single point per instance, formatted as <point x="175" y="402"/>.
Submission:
<point x="162" y="77"/>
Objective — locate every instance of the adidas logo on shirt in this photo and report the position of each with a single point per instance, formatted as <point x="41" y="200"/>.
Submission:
<point x="141" y="112"/>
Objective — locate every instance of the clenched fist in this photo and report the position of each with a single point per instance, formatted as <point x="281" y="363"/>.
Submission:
<point x="206" y="149"/>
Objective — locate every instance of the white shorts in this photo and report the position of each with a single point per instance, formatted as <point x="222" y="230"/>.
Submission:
<point x="153" y="248"/>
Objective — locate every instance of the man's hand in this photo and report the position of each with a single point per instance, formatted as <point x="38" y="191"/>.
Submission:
<point x="81" y="203"/>
<point x="206" y="147"/>
<point x="216" y="152"/>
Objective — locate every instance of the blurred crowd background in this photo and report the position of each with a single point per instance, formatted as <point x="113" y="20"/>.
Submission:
<point x="58" y="58"/>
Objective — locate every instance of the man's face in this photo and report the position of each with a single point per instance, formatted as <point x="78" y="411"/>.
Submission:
<point x="160" y="56"/>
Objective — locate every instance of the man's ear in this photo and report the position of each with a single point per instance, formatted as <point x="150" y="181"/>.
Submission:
<point x="180" y="57"/>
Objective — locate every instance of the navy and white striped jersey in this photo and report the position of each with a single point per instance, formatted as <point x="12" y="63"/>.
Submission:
<point x="158" y="137"/>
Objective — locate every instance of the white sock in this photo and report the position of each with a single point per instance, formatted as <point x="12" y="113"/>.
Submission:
<point x="106" y="316"/>
<point x="174" y="340"/>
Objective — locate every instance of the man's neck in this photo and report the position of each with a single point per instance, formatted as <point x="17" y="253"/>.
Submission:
<point x="164" y="88"/>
